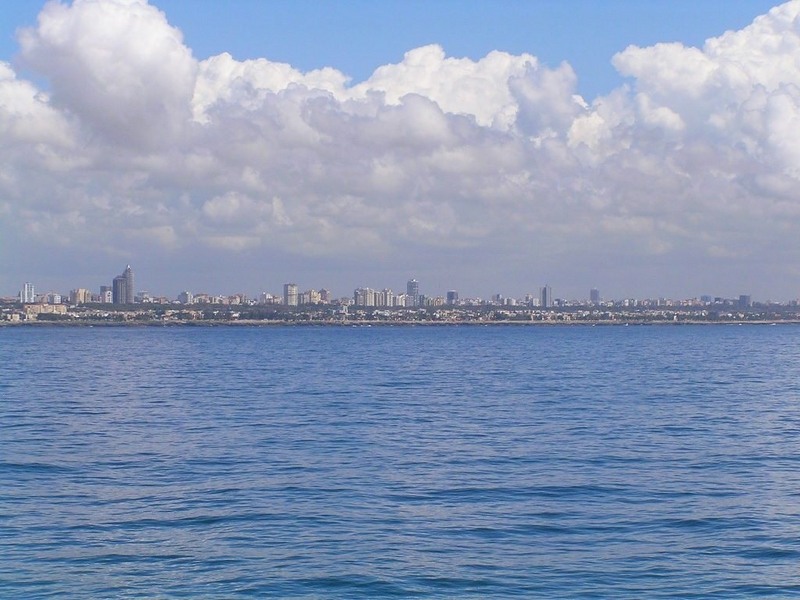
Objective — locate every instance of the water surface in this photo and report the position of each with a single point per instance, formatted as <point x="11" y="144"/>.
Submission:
<point x="429" y="462"/>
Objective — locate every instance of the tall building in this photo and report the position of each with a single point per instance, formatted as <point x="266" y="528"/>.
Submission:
<point x="290" y="294"/>
<point x="388" y="297"/>
<point x="128" y="274"/>
<point x="27" y="295"/>
<point x="119" y="290"/>
<point x="744" y="301"/>
<point x="412" y="291"/>
<point x="546" y="297"/>
<point x="122" y="287"/>
<point x="594" y="296"/>
<point x="452" y="297"/>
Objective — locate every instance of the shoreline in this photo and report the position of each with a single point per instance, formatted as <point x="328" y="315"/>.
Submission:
<point x="466" y="323"/>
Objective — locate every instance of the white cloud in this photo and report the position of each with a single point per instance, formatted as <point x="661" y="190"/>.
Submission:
<point x="458" y="85"/>
<point x="137" y="143"/>
<point x="118" y="65"/>
<point x="740" y="89"/>
<point x="223" y="80"/>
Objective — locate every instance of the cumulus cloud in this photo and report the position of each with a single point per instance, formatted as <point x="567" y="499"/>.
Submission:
<point x="117" y="65"/>
<point x="136" y="143"/>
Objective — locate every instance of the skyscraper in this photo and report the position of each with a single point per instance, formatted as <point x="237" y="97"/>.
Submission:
<point x="546" y="297"/>
<point x="122" y="287"/>
<point x="119" y="290"/>
<point x="27" y="294"/>
<point x="594" y="296"/>
<point x="128" y="274"/>
<point x="412" y="291"/>
<point x="290" y="294"/>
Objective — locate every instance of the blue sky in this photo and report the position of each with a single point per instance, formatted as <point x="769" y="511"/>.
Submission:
<point x="358" y="36"/>
<point x="459" y="152"/>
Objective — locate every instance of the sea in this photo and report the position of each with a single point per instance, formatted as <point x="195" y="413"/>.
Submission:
<point x="400" y="462"/>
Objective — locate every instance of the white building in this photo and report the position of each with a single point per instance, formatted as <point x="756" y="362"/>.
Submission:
<point x="290" y="294"/>
<point x="27" y="294"/>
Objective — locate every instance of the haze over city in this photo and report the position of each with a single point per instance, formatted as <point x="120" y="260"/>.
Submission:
<point x="646" y="149"/>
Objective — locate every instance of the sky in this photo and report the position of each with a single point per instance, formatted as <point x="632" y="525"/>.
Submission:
<point x="645" y="148"/>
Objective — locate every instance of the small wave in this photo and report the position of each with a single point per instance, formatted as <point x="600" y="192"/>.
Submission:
<point x="771" y="553"/>
<point x="35" y="467"/>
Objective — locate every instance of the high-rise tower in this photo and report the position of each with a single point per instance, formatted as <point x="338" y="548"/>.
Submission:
<point x="546" y="297"/>
<point x="412" y="291"/>
<point x="290" y="294"/>
<point x="122" y="288"/>
<point x="27" y="294"/>
<point x="128" y="274"/>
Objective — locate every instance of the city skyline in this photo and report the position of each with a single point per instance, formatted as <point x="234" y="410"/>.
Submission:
<point x="123" y="291"/>
<point x="646" y="148"/>
<point x="404" y="282"/>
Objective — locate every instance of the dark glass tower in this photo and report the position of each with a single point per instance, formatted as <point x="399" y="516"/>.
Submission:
<point x="412" y="291"/>
<point x="122" y="288"/>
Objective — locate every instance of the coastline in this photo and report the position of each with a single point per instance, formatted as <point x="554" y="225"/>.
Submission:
<point x="386" y="323"/>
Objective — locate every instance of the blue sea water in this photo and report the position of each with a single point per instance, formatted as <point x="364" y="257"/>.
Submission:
<point x="408" y="462"/>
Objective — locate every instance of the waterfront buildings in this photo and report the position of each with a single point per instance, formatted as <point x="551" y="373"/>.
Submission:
<point x="309" y="297"/>
<point x="32" y="311"/>
<point x="386" y="298"/>
<point x="267" y="298"/>
<point x="80" y="296"/>
<point x="376" y="300"/>
<point x="364" y="297"/>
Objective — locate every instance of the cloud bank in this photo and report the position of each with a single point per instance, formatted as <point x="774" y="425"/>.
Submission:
<point x="491" y="171"/>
